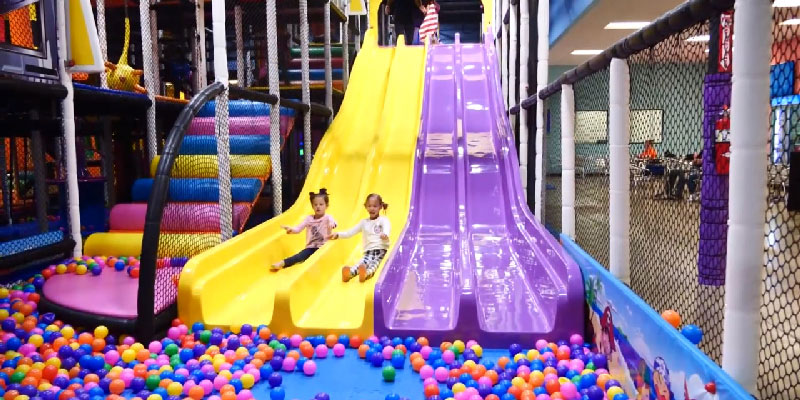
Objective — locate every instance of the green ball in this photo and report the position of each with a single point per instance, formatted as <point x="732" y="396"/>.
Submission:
<point x="398" y="353"/>
<point x="174" y="361"/>
<point x="389" y="373"/>
<point x="152" y="382"/>
<point x="274" y="343"/>
<point x="281" y="346"/>
<point x="17" y="377"/>
<point x="590" y="365"/>
<point x="171" y="349"/>
<point x="205" y="336"/>
<point x="576" y="379"/>
<point x="454" y="350"/>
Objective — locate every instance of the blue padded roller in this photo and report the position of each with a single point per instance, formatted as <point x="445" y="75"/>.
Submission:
<point x="240" y="144"/>
<point x="242" y="108"/>
<point x="315" y="74"/>
<point x="199" y="189"/>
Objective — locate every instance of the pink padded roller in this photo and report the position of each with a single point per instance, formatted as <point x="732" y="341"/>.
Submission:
<point x="178" y="217"/>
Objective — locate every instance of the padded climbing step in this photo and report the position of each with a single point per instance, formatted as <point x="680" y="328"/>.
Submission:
<point x="199" y="190"/>
<point x="178" y="217"/>
<point x="336" y="62"/>
<point x="239" y="144"/>
<point x="206" y="166"/>
<point x="314" y="74"/>
<point x="318" y="51"/>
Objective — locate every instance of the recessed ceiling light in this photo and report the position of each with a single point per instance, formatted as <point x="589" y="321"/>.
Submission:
<point x="627" y="25"/>
<point x="586" y="52"/>
<point x="793" y="21"/>
<point x="786" y="3"/>
<point x="699" y="38"/>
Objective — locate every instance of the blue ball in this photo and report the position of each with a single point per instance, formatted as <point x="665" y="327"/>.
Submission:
<point x="119" y="265"/>
<point x="594" y="393"/>
<point x="398" y="362"/>
<point x="508" y="396"/>
<point x="471" y="383"/>
<point x="620" y="396"/>
<point x="13" y="343"/>
<point x="438" y="363"/>
<point x="237" y="384"/>
<point x="587" y="381"/>
<point x="377" y="360"/>
<point x="446" y="393"/>
<point x="539" y="390"/>
<point x="515" y="349"/>
<point x="161" y="392"/>
<point x="345" y="340"/>
<point x="277" y="393"/>
<point x="396" y="341"/>
<point x="198" y="327"/>
<point x="393" y="396"/>
<point x="464" y="378"/>
<point x="691" y="332"/>
<point x="8" y="324"/>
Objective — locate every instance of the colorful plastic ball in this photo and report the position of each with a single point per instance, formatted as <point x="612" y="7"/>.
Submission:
<point x="426" y="372"/>
<point x="620" y="396"/>
<point x="613" y="391"/>
<point x="119" y="265"/>
<point x="392" y="396"/>
<point x="693" y="333"/>
<point x="388" y="373"/>
<point x="275" y="379"/>
<point x="321" y="351"/>
<point x="376" y="359"/>
<point x="338" y="350"/>
<point x="672" y="317"/>
<point x="441" y="374"/>
<point x="310" y="367"/>
<point x="277" y="393"/>
<point x="322" y="396"/>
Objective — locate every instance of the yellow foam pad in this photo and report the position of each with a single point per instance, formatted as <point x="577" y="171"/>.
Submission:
<point x="205" y="166"/>
<point x="125" y="244"/>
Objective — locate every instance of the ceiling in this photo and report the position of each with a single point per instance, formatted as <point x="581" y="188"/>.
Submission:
<point x="587" y="32"/>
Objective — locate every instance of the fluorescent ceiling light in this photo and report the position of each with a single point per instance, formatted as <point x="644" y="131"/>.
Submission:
<point x="786" y="3"/>
<point x="586" y="52"/>
<point x="793" y="21"/>
<point x="627" y="25"/>
<point x="699" y="38"/>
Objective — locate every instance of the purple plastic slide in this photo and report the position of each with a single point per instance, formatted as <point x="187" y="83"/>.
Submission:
<point x="472" y="262"/>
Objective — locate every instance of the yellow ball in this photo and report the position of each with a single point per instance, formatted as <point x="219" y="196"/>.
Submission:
<point x="137" y="346"/>
<point x="38" y="365"/>
<point x="154" y="397"/>
<point x="74" y="345"/>
<point x="44" y="386"/>
<point x="247" y="381"/>
<point x="80" y="269"/>
<point x="61" y="268"/>
<point x="174" y="389"/>
<point x="36" y="340"/>
<point x="4" y="292"/>
<point x="19" y="317"/>
<point x="449" y="398"/>
<point x="458" y="388"/>
<point x="235" y="329"/>
<point x="533" y="354"/>
<point x="459" y="345"/>
<point x="478" y="350"/>
<point x="562" y="380"/>
<point x="23" y="368"/>
<point x="518" y="356"/>
<point x="613" y="391"/>
<point x="204" y="357"/>
<point x="213" y="348"/>
<point x="21" y="397"/>
<point x="128" y="355"/>
<point x="586" y="371"/>
<point x="219" y="358"/>
<point x="517" y="381"/>
<point x="52" y="328"/>
<point x="227" y="374"/>
<point x="469" y="363"/>
<point x="165" y="368"/>
<point x="67" y="332"/>
<point x="11" y="354"/>
<point x="242" y="352"/>
<point x="536" y="376"/>
<point x="3" y="313"/>
<point x="100" y="332"/>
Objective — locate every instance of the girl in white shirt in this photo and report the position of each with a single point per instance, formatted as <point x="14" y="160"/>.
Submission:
<point x="376" y="230"/>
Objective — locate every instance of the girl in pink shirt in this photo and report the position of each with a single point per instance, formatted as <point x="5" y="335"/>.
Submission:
<point x="318" y="227"/>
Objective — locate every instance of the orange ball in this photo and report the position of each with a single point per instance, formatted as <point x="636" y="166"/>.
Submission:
<point x="402" y="348"/>
<point x="444" y="346"/>
<point x="91" y="378"/>
<point x="293" y="354"/>
<point x="492" y="397"/>
<point x="264" y="333"/>
<point x="562" y="354"/>
<point x="431" y="390"/>
<point x="34" y="373"/>
<point x="164" y="383"/>
<point x="60" y="341"/>
<point x="307" y="352"/>
<point x="98" y="345"/>
<point x="257" y="363"/>
<point x="331" y="340"/>
<point x="30" y="380"/>
<point x="228" y="396"/>
<point x="10" y="395"/>
<point x="74" y="371"/>
<point x="142" y="355"/>
<point x="269" y="352"/>
<point x="355" y="341"/>
<point x="552" y="386"/>
<point x="228" y="388"/>
<point x="455" y="373"/>
<point x="423" y="341"/>
<point x="117" y="386"/>
<point x="524" y="375"/>
<point x="516" y="391"/>
<point x="492" y="375"/>
<point x="550" y="370"/>
<point x="50" y="372"/>
<point x="502" y="362"/>
<point x="196" y="392"/>
<point x="417" y="364"/>
<point x="34" y="297"/>
<point x="602" y="379"/>
<point x="362" y="350"/>
<point x="66" y="395"/>
<point x="672" y="317"/>
<point x="527" y="395"/>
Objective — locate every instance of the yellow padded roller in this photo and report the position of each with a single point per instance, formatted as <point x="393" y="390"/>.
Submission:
<point x="205" y="166"/>
<point x="130" y="244"/>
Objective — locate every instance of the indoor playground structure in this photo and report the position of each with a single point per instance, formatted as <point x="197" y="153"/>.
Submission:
<point x="620" y="232"/>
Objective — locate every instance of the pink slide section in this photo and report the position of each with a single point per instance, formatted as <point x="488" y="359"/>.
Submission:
<point x="238" y="125"/>
<point x="130" y="217"/>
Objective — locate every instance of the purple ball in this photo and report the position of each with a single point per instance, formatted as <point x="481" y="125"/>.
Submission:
<point x="137" y="384"/>
<point x="28" y="390"/>
<point x="594" y="393"/>
<point x="484" y="390"/>
<point x="451" y="381"/>
<point x="514" y="349"/>
<point x="322" y="396"/>
<point x="280" y="353"/>
<point x="233" y="343"/>
<point x="276" y="363"/>
<point x="561" y="370"/>
<point x="612" y="382"/>
<point x="600" y="361"/>
<point x="377" y="359"/>
<point x="275" y="379"/>
<point x="247" y="329"/>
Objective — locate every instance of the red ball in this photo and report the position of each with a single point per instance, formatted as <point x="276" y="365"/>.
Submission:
<point x="431" y="390"/>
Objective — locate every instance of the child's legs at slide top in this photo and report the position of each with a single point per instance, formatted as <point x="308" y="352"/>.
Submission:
<point x="299" y="257"/>
<point x="370" y="262"/>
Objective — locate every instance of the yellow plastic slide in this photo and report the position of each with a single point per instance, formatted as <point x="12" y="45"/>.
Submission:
<point x="368" y="148"/>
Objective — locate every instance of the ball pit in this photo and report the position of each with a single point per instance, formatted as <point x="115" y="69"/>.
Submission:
<point x="45" y="358"/>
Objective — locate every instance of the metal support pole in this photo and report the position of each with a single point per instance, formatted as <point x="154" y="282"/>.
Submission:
<point x="274" y="111"/>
